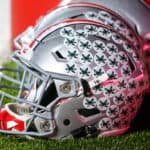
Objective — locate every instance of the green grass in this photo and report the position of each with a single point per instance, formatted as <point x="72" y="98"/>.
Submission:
<point x="138" y="138"/>
<point x="132" y="141"/>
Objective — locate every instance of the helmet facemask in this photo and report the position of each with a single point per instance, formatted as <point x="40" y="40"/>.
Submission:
<point x="35" y="95"/>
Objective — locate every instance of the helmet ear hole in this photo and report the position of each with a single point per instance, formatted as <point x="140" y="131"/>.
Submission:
<point x="49" y="95"/>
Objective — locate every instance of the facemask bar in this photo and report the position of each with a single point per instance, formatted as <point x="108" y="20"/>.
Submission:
<point x="2" y="75"/>
<point x="25" y="38"/>
<point x="28" y="74"/>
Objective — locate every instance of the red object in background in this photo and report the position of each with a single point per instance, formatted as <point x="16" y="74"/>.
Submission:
<point x="147" y="1"/>
<point x="26" y="12"/>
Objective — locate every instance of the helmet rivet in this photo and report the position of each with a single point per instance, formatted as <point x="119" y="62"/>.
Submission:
<point x="65" y="88"/>
<point x="66" y="122"/>
<point x="45" y="125"/>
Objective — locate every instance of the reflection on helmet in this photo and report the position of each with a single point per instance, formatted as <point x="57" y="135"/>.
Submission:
<point x="84" y="10"/>
<point x="77" y="78"/>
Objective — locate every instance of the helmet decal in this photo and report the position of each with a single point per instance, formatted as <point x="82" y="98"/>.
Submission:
<point x="105" y="124"/>
<point x="103" y="104"/>
<point x="73" y="54"/>
<point x="108" y="19"/>
<point x="86" y="58"/>
<point x="90" y="103"/>
<point x="99" y="45"/>
<point x="67" y="32"/>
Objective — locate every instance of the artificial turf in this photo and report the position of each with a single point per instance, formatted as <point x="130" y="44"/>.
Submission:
<point x="130" y="141"/>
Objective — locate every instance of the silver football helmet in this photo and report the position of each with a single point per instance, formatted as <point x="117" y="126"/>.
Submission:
<point x="75" y="77"/>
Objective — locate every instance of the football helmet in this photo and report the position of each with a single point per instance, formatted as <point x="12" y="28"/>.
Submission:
<point x="79" y="73"/>
<point x="75" y="83"/>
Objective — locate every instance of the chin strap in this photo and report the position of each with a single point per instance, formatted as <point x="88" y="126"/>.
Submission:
<point x="11" y="120"/>
<point x="15" y="117"/>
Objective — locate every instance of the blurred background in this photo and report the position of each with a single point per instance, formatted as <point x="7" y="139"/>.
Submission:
<point x="15" y="17"/>
<point x="5" y="34"/>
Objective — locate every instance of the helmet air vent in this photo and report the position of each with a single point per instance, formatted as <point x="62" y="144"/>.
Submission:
<point x="59" y="57"/>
